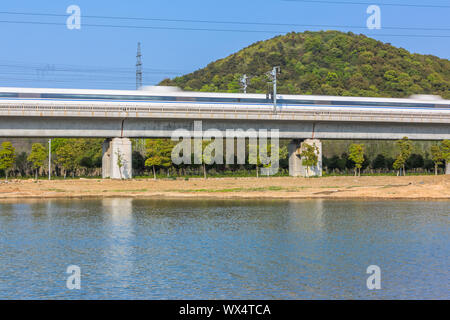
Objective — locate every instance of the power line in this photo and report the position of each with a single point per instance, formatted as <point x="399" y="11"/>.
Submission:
<point x="141" y="27"/>
<point x="39" y="74"/>
<point x="44" y="74"/>
<point x="391" y="4"/>
<point x="228" y="22"/>
<point x="49" y="82"/>
<point x="51" y="73"/>
<point x="83" y="69"/>
<point x="81" y="72"/>
<point x="66" y="77"/>
<point x="209" y="29"/>
<point x="66" y="80"/>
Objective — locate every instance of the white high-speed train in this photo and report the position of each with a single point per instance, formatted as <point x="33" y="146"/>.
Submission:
<point x="174" y="95"/>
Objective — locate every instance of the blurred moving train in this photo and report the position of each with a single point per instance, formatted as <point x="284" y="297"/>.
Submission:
<point x="174" y="95"/>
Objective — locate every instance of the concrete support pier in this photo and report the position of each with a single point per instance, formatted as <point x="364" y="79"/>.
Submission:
<point x="106" y="159"/>
<point x="113" y="150"/>
<point x="447" y="167"/>
<point x="296" y="169"/>
<point x="295" y="163"/>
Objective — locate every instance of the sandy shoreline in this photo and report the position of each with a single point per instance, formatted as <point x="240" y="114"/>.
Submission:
<point x="383" y="187"/>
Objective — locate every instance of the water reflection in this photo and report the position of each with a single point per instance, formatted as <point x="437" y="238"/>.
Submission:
<point x="306" y="215"/>
<point x="118" y="250"/>
<point x="212" y="249"/>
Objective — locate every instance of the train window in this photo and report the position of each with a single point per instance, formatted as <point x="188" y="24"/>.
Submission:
<point x="382" y="104"/>
<point x="247" y="100"/>
<point x="29" y="95"/>
<point x="286" y="101"/>
<point x="8" y="95"/>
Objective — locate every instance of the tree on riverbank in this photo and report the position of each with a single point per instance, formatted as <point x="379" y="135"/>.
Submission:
<point x="309" y="156"/>
<point x="158" y="153"/>
<point x="7" y="157"/>
<point x="437" y="157"/>
<point x="207" y="156"/>
<point x="261" y="155"/>
<point x="21" y="166"/>
<point x="67" y="155"/>
<point x="357" y="156"/>
<point x="37" y="156"/>
<point x="405" y="150"/>
<point x="120" y="162"/>
<point x="254" y="155"/>
<point x="445" y="147"/>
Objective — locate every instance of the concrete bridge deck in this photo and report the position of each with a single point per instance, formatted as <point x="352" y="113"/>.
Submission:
<point x="95" y="109"/>
<point x="25" y="118"/>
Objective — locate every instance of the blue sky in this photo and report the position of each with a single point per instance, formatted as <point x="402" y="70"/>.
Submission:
<point x="35" y="55"/>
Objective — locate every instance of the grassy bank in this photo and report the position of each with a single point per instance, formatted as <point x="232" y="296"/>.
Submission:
<point x="372" y="187"/>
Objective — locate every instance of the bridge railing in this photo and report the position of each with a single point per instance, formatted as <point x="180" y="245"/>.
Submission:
<point x="55" y="108"/>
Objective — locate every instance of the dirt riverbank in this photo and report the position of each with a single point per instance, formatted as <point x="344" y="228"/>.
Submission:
<point x="380" y="187"/>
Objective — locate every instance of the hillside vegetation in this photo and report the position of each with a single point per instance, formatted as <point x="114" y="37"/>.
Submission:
<point x="325" y="63"/>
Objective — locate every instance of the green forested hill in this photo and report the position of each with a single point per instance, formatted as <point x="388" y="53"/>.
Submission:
<point x="325" y="63"/>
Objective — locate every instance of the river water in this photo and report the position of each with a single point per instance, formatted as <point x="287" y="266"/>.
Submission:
<point x="209" y="249"/>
